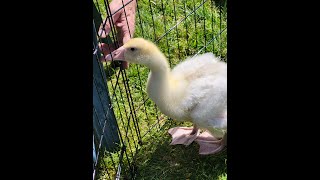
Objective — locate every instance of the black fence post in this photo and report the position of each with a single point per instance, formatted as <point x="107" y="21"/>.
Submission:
<point x="104" y="121"/>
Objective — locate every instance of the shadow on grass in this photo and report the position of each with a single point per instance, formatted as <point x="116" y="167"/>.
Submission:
<point x="159" y="160"/>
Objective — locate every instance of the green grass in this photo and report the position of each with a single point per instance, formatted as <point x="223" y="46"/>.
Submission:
<point x="159" y="160"/>
<point x="156" y="159"/>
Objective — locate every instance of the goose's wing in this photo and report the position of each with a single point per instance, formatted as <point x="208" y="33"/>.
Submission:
<point x="205" y="96"/>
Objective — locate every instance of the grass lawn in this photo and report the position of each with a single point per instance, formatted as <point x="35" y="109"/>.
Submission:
<point x="199" y="32"/>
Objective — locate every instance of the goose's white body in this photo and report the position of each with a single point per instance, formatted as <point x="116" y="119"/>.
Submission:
<point x="195" y="90"/>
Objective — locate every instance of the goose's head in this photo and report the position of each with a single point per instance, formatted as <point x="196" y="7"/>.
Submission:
<point x="140" y="51"/>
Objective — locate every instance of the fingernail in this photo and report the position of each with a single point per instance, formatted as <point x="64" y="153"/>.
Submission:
<point x="108" y="57"/>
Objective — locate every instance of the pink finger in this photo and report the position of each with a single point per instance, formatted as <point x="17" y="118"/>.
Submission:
<point x="114" y="6"/>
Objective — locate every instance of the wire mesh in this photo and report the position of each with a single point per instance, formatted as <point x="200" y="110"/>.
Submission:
<point x="181" y="28"/>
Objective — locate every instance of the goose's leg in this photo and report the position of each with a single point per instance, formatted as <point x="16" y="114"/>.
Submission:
<point x="209" y="144"/>
<point x="184" y="135"/>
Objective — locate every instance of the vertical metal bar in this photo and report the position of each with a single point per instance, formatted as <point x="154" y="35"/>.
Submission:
<point x="212" y="25"/>
<point x="154" y="29"/>
<point x="185" y="23"/>
<point x="195" y="23"/>
<point x="204" y="26"/>
<point x="177" y="35"/>
<point x="165" y="30"/>
<point x="220" y="15"/>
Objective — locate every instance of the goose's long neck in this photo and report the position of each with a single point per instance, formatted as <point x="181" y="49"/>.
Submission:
<point x="159" y="83"/>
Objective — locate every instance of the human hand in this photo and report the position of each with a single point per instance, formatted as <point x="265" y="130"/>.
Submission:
<point x="124" y="21"/>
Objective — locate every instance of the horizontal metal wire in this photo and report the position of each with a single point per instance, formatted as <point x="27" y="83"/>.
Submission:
<point x="208" y="43"/>
<point x="180" y="22"/>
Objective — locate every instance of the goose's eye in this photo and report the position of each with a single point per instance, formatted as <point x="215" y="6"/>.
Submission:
<point x="132" y="49"/>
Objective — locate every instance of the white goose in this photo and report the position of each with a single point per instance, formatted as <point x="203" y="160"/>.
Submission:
<point x="195" y="90"/>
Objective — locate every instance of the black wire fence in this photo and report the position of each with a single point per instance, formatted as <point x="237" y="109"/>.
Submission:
<point x="123" y="114"/>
